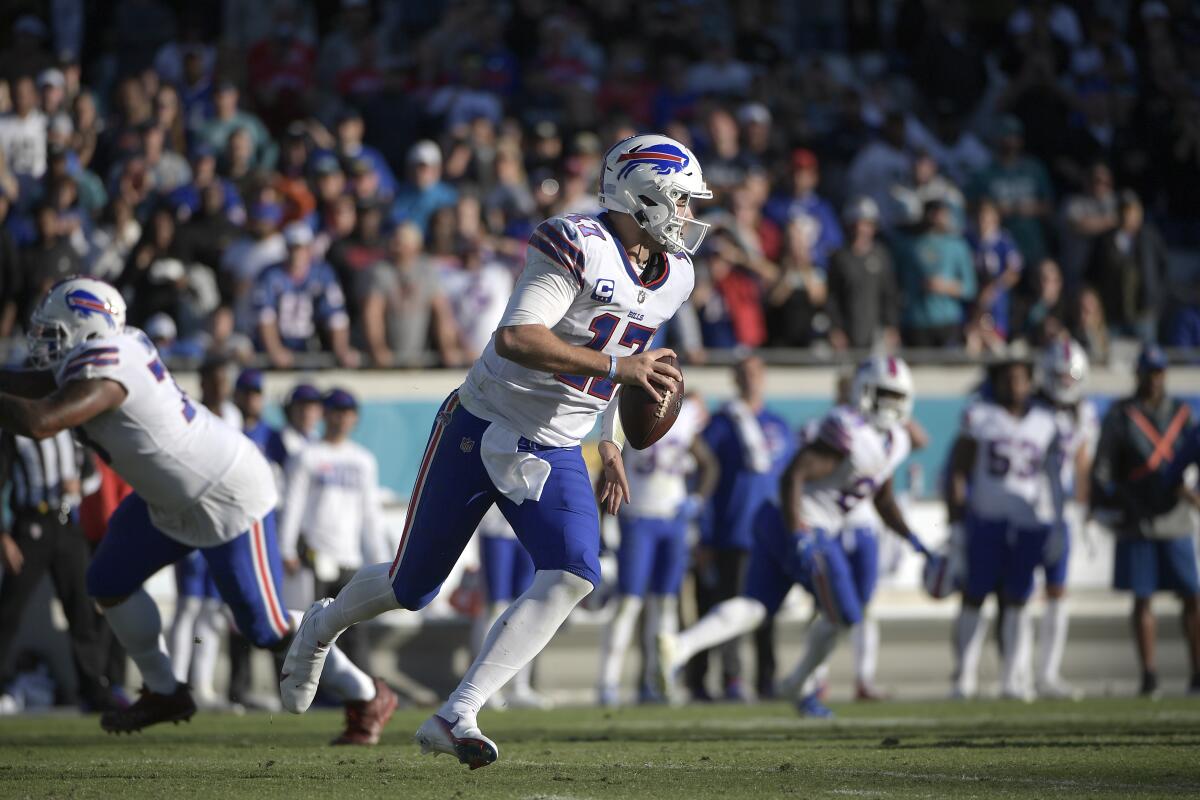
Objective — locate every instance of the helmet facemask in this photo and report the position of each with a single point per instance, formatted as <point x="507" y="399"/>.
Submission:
<point x="885" y="408"/>
<point x="48" y="342"/>
<point x="658" y="211"/>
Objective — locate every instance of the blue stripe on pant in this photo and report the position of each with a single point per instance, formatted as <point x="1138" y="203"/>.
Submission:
<point x="561" y="531"/>
<point x="247" y="570"/>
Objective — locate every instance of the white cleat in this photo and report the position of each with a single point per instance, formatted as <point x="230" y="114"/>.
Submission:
<point x="667" y="645"/>
<point x="302" y="666"/>
<point x="1058" y="690"/>
<point x="467" y="744"/>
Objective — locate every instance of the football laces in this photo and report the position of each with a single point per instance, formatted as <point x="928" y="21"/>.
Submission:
<point x="663" y="405"/>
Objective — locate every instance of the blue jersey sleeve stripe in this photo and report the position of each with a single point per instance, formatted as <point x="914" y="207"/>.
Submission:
<point x="834" y="434"/>
<point x="94" y="362"/>
<point x="95" y="351"/>
<point x="561" y="235"/>
<point x="555" y="255"/>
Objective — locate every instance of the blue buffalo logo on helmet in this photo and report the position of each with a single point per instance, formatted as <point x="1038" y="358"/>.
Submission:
<point x="663" y="158"/>
<point x="85" y="304"/>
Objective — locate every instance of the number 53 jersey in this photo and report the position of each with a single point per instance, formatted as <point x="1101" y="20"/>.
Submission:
<point x="204" y="481"/>
<point x="580" y="283"/>
<point x="1009" y="480"/>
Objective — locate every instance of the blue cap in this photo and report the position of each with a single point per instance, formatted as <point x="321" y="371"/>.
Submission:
<point x="303" y="393"/>
<point x="250" y="380"/>
<point x="340" y="400"/>
<point x="1151" y="358"/>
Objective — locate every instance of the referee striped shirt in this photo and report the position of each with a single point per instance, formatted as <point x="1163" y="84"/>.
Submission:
<point x="47" y="475"/>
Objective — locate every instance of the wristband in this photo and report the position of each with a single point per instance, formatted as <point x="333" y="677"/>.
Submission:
<point x="612" y="368"/>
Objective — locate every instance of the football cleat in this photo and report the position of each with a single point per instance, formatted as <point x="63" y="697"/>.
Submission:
<point x="365" y="718"/>
<point x="302" y="666"/>
<point x="608" y="697"/>
<point x="867" y="693"/>
<point x="811" y="706"/>
<point x="151" y="708"/>
<point x="467" y="744"/>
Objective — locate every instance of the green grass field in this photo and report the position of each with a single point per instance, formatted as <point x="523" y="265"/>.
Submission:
<point x="1099" y="748"/>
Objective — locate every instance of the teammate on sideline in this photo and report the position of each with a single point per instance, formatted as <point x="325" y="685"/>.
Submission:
<point x="1061" y="374"/>
<point x="592" y="294"/>
<point x="852" y="457"/>
<point x="198" y="484"/>
<point x="653" y="554"/>
<point x="1004" y="487"/>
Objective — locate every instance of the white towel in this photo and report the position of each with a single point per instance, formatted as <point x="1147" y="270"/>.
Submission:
<point x="518" y="476"/>
<point x="750" y="433"/>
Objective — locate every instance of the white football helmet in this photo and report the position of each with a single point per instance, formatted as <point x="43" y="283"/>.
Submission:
<point x="888" y="374"/>
<point x="943" y="573"/>
<point x="646" y="177"/>
<point x="1062" y="371"/>
<point x="73" y="311"/>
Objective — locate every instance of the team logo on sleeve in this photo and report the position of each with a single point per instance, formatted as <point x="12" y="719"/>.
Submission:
<point x="663" y="158"/>
<point x="85" y="304"/>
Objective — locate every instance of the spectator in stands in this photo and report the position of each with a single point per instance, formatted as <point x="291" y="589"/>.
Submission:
<point x="1091" y="327"/>
<point x="168" y="170"/>
<point x="1021" y="188"/>
<point x="296" y="300"/>
<point x="403" y="305"/>
<point x="880" y="166"/>
<point x="12" y="276"/>
<point x="425" y="192"/>
<point x="186" y="199"/>
<point x="48" y="260"/>
<point x="349" y="131"/>
<point x="925" y="184"/>
<point x="1086" y="217"/>
<point x="864" y="300"/>
<point x="248" y="256"/>
<point x="280" y="70"/>
<point x="998" y="267"/>
<point x="1041" y="317"/>
<point x="729" y="293"/>
<point x="23" y="137"/>
<point x="802" y="200"/>
<point x="795" y="299"/>
<point x="1129" y="267"/>
<point x="228" y="118"/>
<point x="938" y="278"/>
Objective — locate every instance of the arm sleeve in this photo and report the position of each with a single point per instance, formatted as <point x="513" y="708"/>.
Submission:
<point x="542" y="295"/>
<point x="293" y="507"/>
<point x="610" y="421"/>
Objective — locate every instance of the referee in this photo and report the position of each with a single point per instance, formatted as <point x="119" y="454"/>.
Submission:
<point x="46" y="480"/>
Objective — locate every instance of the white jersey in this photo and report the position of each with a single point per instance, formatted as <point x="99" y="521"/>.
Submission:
<point x="1078" y="427"/>
<point x="871" y="458"/>
<point x="333" y="502"/>
<point x="205" y="482"/>
<point x="1009" y="479"/>
<point x="657" y="475"/>
<point x="587" y="292"/>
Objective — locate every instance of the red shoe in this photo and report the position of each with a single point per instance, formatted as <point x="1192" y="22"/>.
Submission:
<point x="150" y="709"/>
<point x="867" y="693"/>
<point x="365" y="718"/>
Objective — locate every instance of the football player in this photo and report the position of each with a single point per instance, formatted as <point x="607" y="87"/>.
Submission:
<point x="653" y="554"/>
<point x="851" y="458"/>
<point x="1004" y="490"/>
<point x="593" y="292"/>
<point x="198" y="484"/>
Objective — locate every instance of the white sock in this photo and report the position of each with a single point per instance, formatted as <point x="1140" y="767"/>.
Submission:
<point x="522" y="631"/>
<point x="865" y="637"/>
<point x="210" y="625"/>
<point x="1052" y="639"/>
<point x="366" y="596"/>
<point x="662" y="616"/>
<point x="615" y="641"/>
<point x="183" y="636"/>
<point x="340" y="676"/>
<point x="724" y="621"/>
<point x="969" y="633"/>
<point x="138" y="627"/>
<point x="821" y="639"/>
<point x="1018" y="650"/>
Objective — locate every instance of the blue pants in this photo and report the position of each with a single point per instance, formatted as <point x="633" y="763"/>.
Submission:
<point x="1056" y="571"/>
<point x="816" y="561"/>
<point x="1146" y="566"/>
<point x="246" y="570"/>
<point x="193" y="578"/>
<point x="561" y="531"/>
<point x="652" y="557"/>
<point x="1003" y="558"/>
<point x="860" y="546"/>
<point x="507" y="568"/>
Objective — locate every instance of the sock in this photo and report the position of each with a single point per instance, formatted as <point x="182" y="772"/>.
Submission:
<point x="1018" y="647"/>
<point x="821" y="639"/>
<point x="341" y="677"/>
<point x="1052" y="639"/>
<point x="366" y="596"/>
<point x="183" y="636"/>
<point x="662" y="616"/>
<point x="616" y="641"/>
<point x="969" y="633"/>
<point x="522" y="631"/>
<point x="865" y="636"/>
<point x="138" y="627"/>
<point x="209" y="630"/>
<point x="727" y="620"/>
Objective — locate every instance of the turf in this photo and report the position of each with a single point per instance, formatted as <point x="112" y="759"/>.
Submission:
<point x="1098" y="748"/>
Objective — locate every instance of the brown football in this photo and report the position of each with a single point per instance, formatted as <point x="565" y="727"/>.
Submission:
<point x="644" y="420"/>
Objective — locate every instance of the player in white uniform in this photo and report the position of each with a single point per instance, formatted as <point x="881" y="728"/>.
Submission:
<point x="851" y="458"/>
<point x="1004" y="491"/>
<point x="1061" y="374"/>
<point x="198" y="485"/>
<point x="593" y="292"/>
<point x="653" y="554"/>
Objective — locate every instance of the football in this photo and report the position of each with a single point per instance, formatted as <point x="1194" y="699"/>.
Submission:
<point x="646" y="421"/>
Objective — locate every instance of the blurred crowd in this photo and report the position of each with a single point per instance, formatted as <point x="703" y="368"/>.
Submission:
<point x="357" y="179"/>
